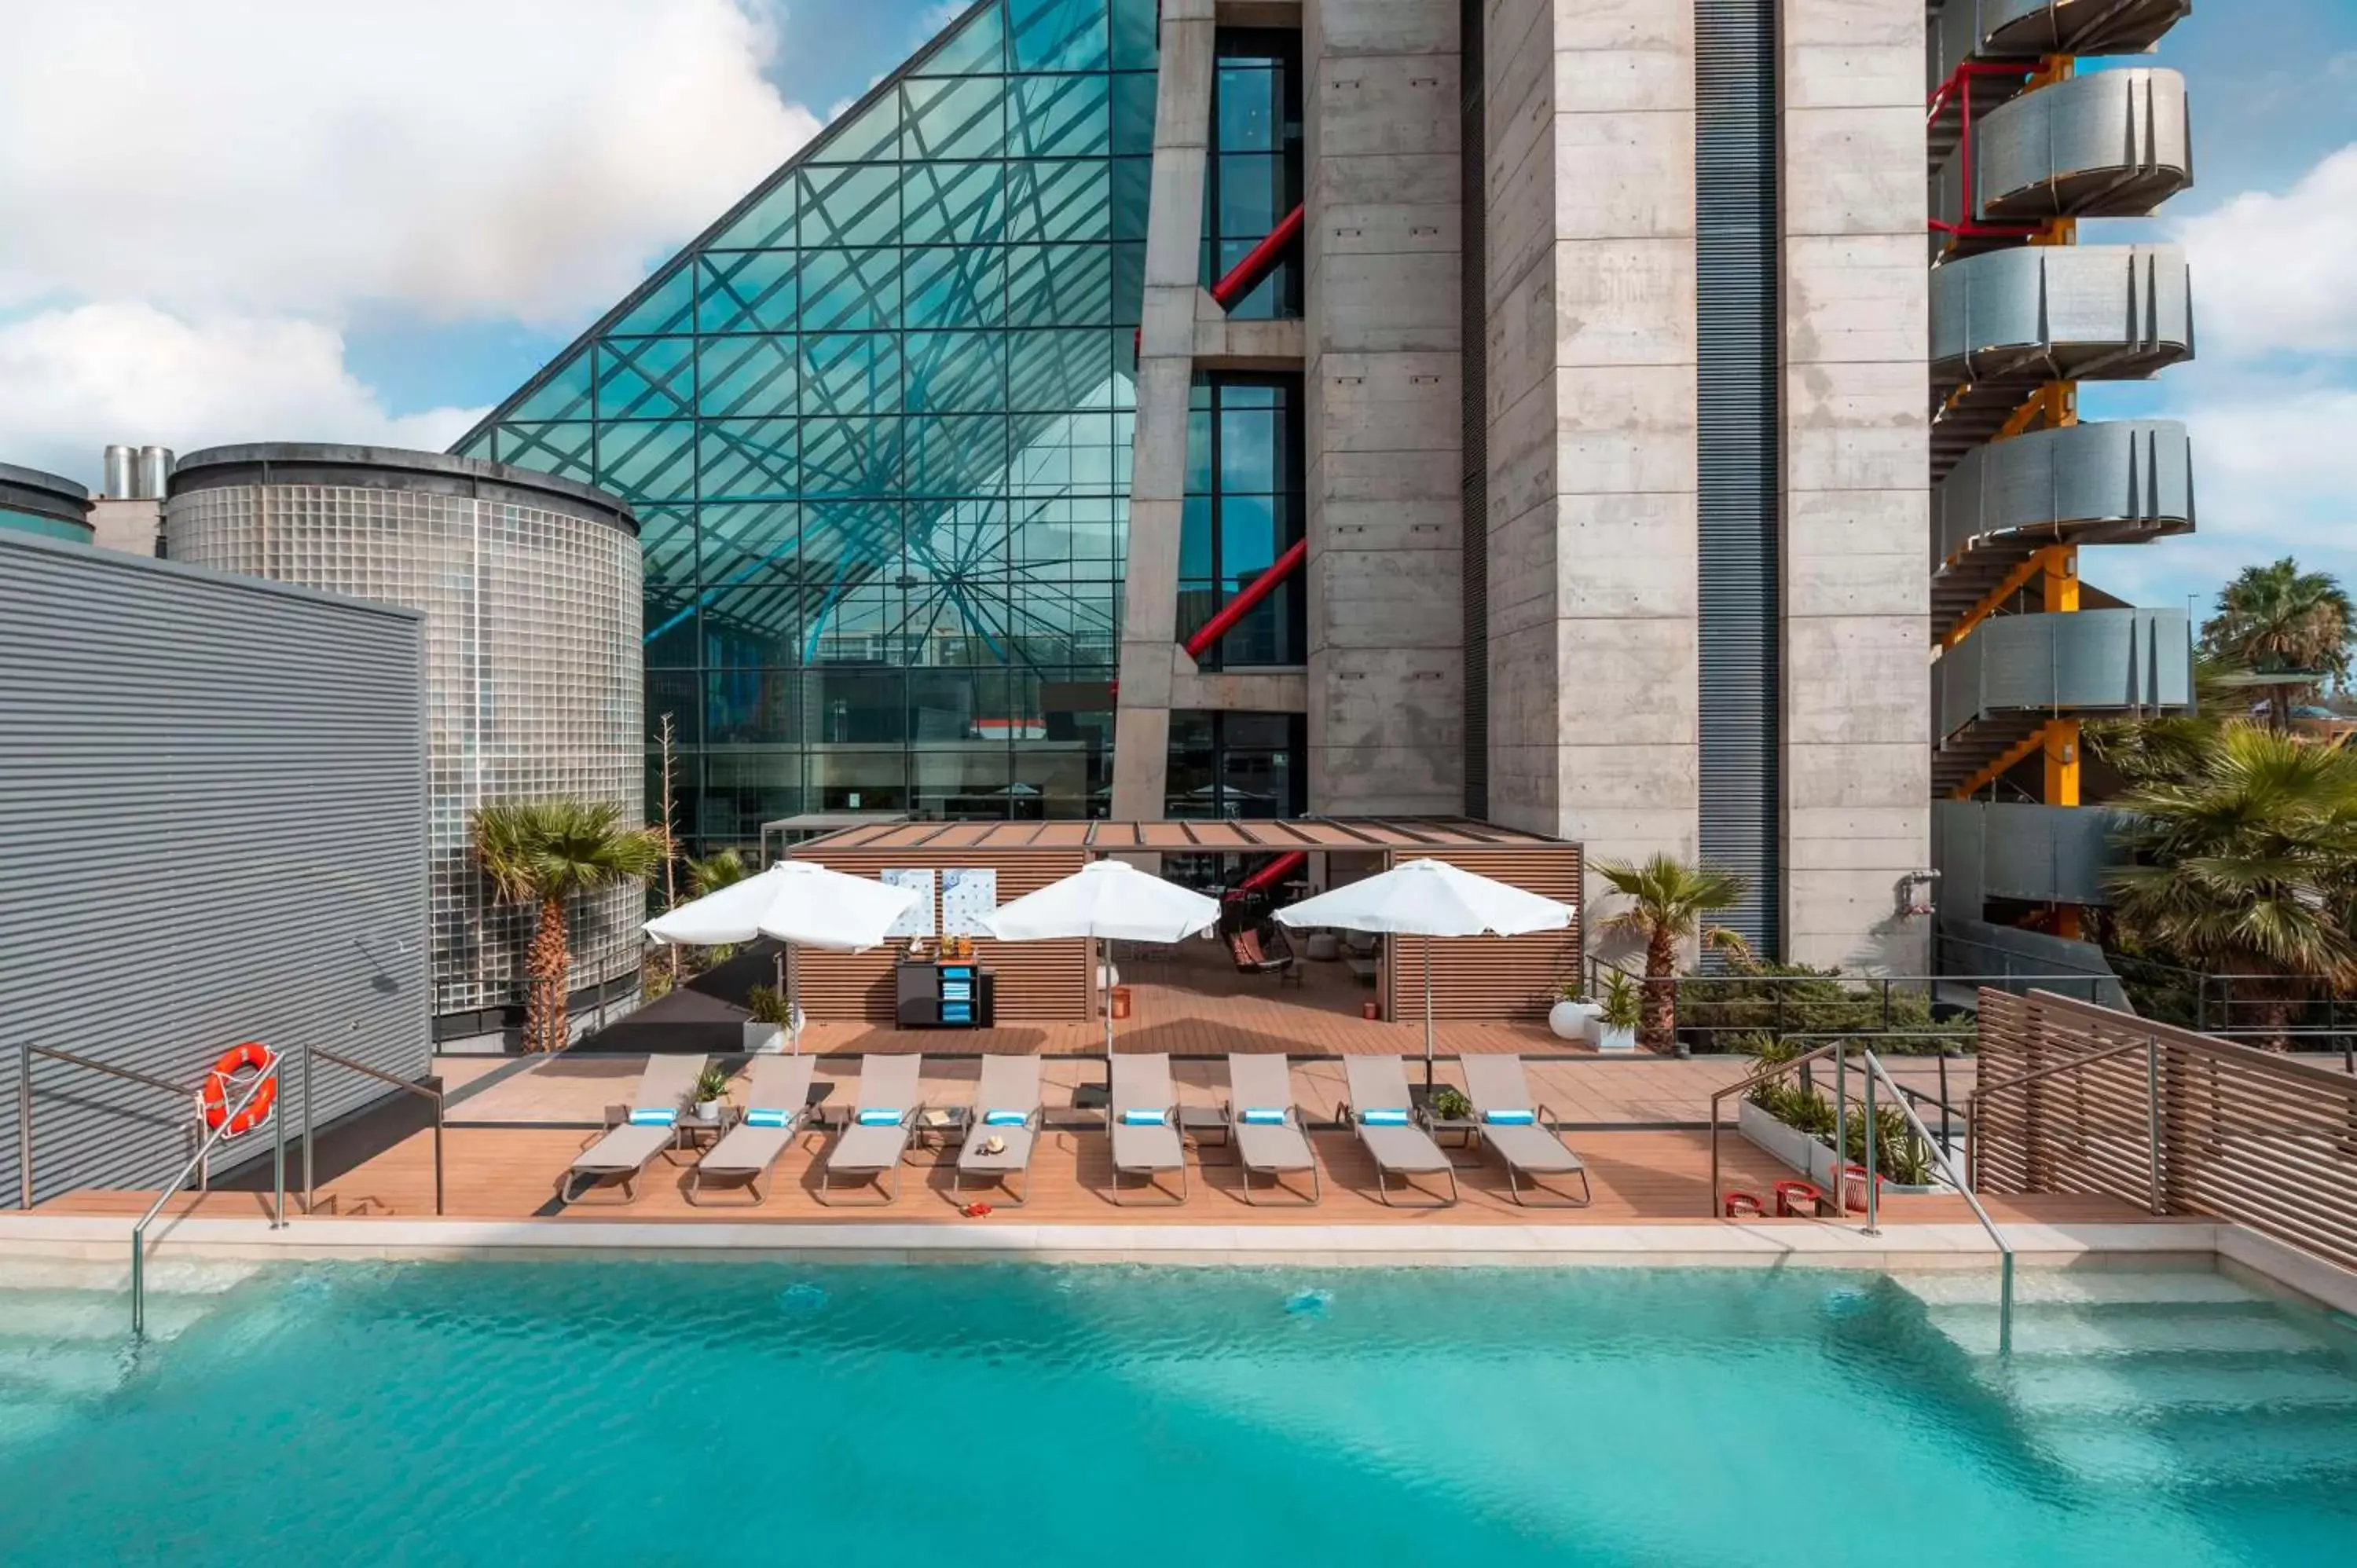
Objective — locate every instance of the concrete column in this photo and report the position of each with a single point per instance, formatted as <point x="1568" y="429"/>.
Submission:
<point x="1592" y="460"/>
<point x="1856" y="491"/>
<point x="1382" y="379"/>
<point x="1183" y="113"/>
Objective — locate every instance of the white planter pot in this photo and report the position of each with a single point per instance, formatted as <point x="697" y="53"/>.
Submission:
<point x="764" y="1039"/>
<point x="1323" y="947"/>
<point x="708" y="1110"/>
<point x="1568" y="1019"/>
<point x="1614" y="1042"/>
<point x="1806" y="1155"/>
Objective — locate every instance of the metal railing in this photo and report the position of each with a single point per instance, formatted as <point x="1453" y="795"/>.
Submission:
<point x="268" y="1076"/>
<point x="1874" y="1069"/>
<point x="1839" y="1049"/>
<point x="433" y="1094"/>
<point x="25" y="1052"/>
<point x="1710" y="1008"/>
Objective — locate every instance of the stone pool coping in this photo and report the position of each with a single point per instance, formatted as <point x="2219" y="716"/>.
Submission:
<point x="1725" y="1245"/>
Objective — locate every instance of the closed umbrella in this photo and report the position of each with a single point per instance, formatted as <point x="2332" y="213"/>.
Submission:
<point x="1430" y="898"/>
<point x="1107" y="900"/>
<point x="795" y="902"/>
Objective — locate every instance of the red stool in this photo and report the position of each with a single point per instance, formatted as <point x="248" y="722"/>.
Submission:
<point x="1792" y="1194"/>
<point x="1737" y="1204"/>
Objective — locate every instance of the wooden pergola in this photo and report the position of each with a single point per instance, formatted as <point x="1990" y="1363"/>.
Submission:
<point x="1484" y="979"/>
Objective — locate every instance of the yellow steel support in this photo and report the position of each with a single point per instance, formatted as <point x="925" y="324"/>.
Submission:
<point x="2003" y="765"/>
<point x="2060" y="743"/>
<point x="2013" y="583"/>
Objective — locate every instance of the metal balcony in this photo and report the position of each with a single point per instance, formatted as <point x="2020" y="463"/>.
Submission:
<point x="2119" y="483"/>
<point x="1991" y="31"/>
<point x="2113" y="145"/>
<point x="1992" y="690"/>
<point x="2037" y="854"/>
<point x="2007" y="321"/>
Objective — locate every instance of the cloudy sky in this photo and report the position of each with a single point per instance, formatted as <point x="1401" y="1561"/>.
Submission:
<point x="284" y="220"/>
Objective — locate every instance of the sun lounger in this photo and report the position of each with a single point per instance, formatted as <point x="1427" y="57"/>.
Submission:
<point x="1520" y="1132"/>
<point x="1264" y="1123"/>
<point x="1006" y="1111"/>
<point x="883" y="1118"/>
<point x="621" y="1154"/>
<point x="1141" y="1114"/>
<point x="1381" y="1112"/>
<point x="777" y="1110"/>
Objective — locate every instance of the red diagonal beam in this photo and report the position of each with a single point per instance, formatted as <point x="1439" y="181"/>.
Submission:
<point x="1258" y="262"/>
<point x="1235" y="609"/>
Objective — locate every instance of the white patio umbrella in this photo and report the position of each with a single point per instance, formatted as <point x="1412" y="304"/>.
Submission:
<point x="1430" y="898"/>
<point x="797" y="903"/>
<point x="1107" y="900"/>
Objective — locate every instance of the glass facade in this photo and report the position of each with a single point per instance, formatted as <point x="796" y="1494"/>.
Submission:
<point x="1244" y="509"/>
<point x="876" y="424"/>
<point x="1237" y="765"/>
<point x="1253" y="177"/>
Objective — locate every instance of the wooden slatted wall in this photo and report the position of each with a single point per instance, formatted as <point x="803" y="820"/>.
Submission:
<point x="1039" y="980"/>
<point x="1487" y="979"/>
<point x="2244" y="1134"/>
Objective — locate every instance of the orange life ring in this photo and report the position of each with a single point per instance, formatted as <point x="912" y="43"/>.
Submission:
<point x="237" y="1058"/>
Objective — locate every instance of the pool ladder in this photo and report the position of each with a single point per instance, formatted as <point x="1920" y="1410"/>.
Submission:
<point x="1840" y="1049"/>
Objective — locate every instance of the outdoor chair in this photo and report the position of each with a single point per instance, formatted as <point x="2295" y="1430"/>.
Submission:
<point x="1007" y="1110"/>
<point x="875" y="1140"/>
<point x="1518" y="1133"/>
<point x="1270" y="954"/>
<point x="1265" y="1123"/>
<point x="777" y="1110"/>
<point x="1142" y="1117"/>
<point x="1392" y="1131"/>
<point x="649" y="1124"/>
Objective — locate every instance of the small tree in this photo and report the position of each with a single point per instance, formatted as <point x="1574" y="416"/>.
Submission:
<point x="721" y="868"/>
<point x="545" y="853"/>
<point x="1667" y="900"/>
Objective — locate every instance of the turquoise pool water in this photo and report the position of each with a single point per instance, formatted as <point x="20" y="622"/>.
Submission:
<point x="718" y="1413"/>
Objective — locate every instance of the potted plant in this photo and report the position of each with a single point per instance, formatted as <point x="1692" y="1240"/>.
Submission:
<point x="1569" y="1017"/>
<point x="1794" y="1122"/>
<point x="711" y="1091"/>
<point x="1618" y="1017"/>
<point x="1449" y="1103"/>
<point x="765" y="1031"/>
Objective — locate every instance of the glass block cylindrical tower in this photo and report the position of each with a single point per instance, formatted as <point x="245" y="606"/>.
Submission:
<point x="530" y="587"/>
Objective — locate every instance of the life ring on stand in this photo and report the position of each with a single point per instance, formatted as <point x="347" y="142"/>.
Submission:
<point x="252" y="1055"/>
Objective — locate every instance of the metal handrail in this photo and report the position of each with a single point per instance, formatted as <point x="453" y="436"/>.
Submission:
<point x="139" y="1232"/>
<point x="1948" y="1168"/>
<point x="26" y="1051"/>
<point x="1983" y="1090"/>
<point x="1770" y="1070"/>
<point x="434" y="1095"/>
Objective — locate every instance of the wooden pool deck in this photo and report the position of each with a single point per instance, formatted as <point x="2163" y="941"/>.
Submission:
<point x="504" y="1159"/>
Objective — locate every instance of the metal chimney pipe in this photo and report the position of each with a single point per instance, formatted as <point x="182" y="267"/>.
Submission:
<point x="119" y="461"/>
<point x="155" y="472"/>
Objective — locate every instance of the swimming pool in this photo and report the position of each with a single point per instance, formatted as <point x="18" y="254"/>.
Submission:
<point x="699" y="1414"/>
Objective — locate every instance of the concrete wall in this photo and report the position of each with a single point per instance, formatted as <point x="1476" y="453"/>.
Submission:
<point x="1174" y="226"/>
<point x="1383" y="421"/>
<point x="1591" y="422"/>
<point x="1856" y="509"/>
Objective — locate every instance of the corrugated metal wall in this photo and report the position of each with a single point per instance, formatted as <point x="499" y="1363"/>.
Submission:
<point x="1739" y="630"/>
<point x="212" y="829"/>
<point x="1473" y="149"/>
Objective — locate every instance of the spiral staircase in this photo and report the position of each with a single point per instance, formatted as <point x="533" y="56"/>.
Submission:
<point x="2021" y="148"/>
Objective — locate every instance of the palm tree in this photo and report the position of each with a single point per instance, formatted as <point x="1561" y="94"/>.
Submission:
<point x="2247" y="865"/>
<point x="544" y="853"/>
<point x="2280" y="621"/>
<point x="714" y="871"/>
<point x="1667" y="900"/>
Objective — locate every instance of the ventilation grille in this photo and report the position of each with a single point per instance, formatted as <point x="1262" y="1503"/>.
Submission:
<point x="1735" y="180"/>
<point x="1474" y="530"/>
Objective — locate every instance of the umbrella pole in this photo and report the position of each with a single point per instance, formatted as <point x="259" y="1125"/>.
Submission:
<point x="1428" y="1014"/>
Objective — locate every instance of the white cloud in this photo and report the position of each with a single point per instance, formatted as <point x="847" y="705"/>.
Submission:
<point x="2278" y="273"/>
<point x="463" y="157"/>
<point x="73" y="380"/>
